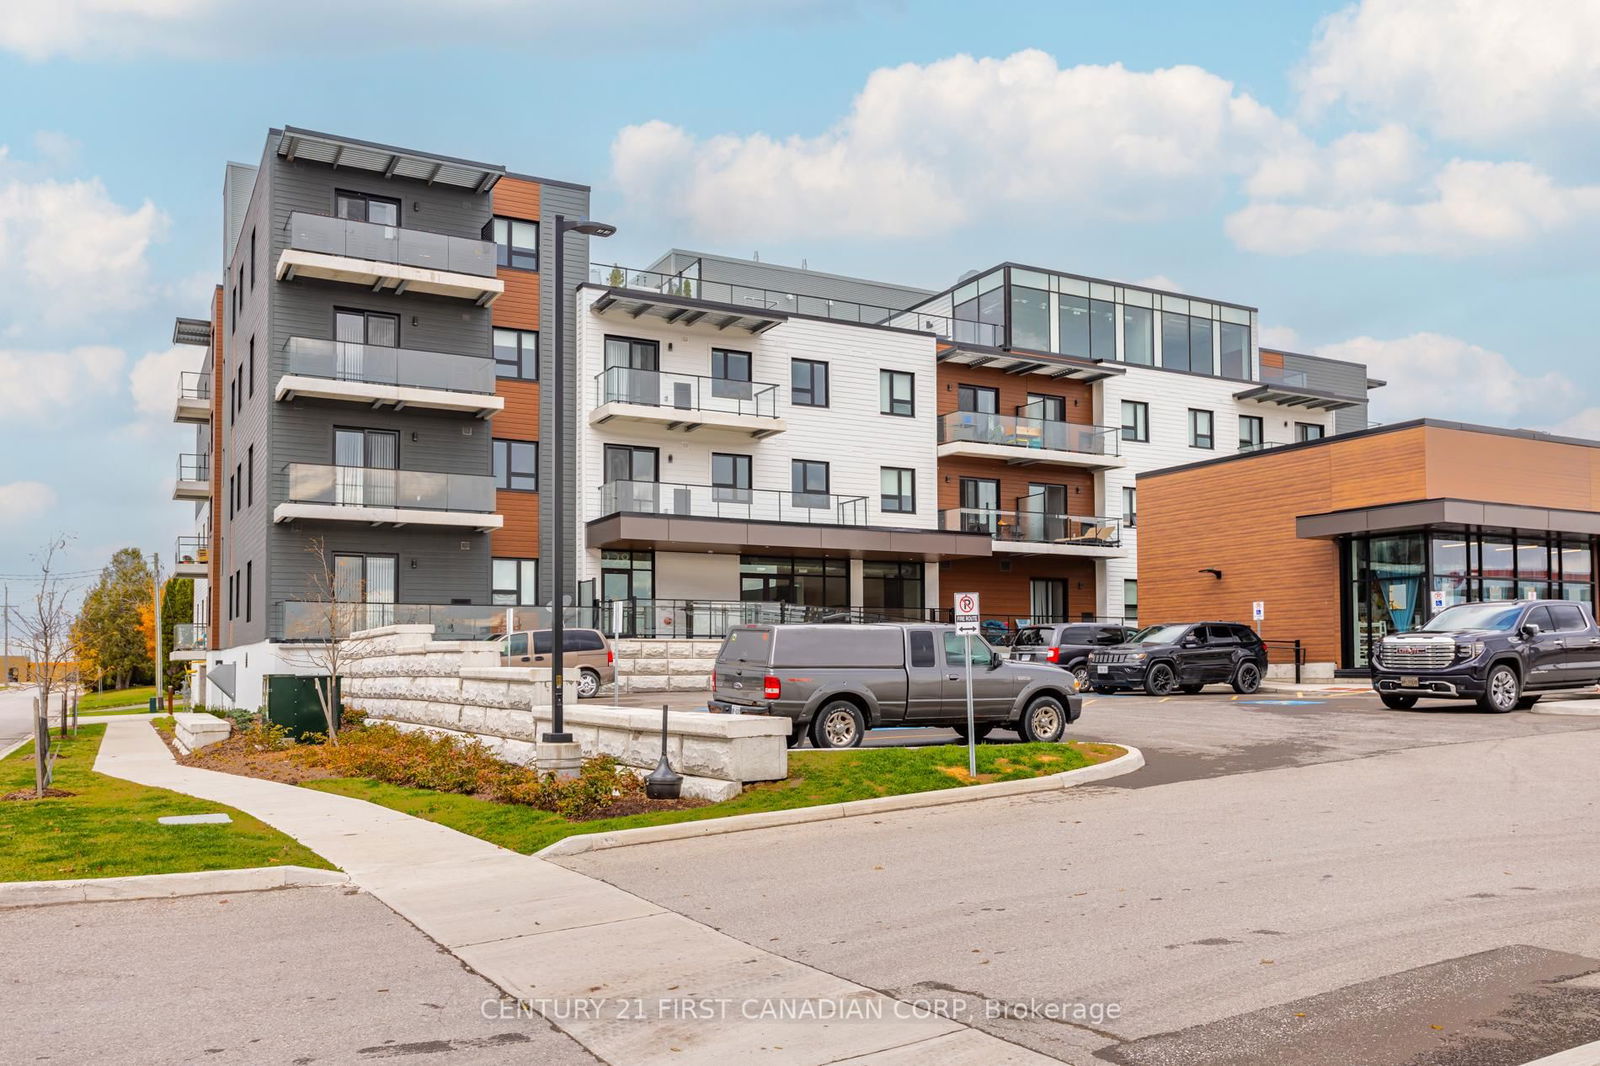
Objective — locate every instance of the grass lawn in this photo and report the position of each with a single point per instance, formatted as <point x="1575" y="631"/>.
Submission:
<point x="815" y="778"/>
<point x="109" y="828"/>
<point x="122" y="697"/>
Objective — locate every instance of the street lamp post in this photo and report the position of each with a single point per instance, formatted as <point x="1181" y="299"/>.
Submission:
<point x="558" y="498"/>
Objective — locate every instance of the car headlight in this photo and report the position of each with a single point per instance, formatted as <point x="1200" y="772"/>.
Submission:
<point x="1138" y="656"/>
<point x="1469" y="649"/>
<point x="1091" y="656"/>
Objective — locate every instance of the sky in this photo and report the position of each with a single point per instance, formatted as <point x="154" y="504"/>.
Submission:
<point x="1411" y="183"/>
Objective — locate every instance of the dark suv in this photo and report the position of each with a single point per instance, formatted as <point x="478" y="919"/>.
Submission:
<point x="1067" y="645"/>
<point x="1182" y="658"/>
<point x="1503" y="655"/>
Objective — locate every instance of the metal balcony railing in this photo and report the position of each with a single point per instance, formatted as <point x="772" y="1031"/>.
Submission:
<point x="310" y="232"/>
<point x="367" y="486"/>
<point x="379" y="365"/>
<point x="193" y="550"/>
<point x="685" y="392"/>
<point x="194" y="467"/>
<point x="721" y="501"/>
<point x="189" y="636"/>
<point x="1277" y="375"/>
<point x="1029" y="526"/>
<point x="1016" y="431"/>
<point x="193" y="385"/>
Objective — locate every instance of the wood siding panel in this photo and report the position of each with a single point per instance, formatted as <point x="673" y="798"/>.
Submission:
<point x="1014" y="390"/>
<point x="519" y="537"/>
<point x="1385" y="468"/>
<point x="520" y="419"/>
<point x="1007" y="595"/>
<point x="1014" y="482"/>
<point x="517" y="198"/>
<point x="1534" y="473"/>
<point x="518" y="306"/>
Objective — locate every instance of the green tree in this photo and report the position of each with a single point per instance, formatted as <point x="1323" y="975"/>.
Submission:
<point x="177" y="606"/>
<point x="108" y="625"/>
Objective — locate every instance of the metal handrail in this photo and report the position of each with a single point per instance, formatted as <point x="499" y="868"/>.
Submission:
<point x="724" y="501"/>
<point x="189" y="636"/>
<point x="1295" y="647"/>
<point x="192" y="550"/>
<point x="194" y="467"/>
<point x="685" y="392"/>
<point x="1017" y="431"/>
<point x="1034" y="527"/>
<point x="193" y="385"/>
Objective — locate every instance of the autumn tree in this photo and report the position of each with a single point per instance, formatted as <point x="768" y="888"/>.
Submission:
<point x="108" y="629"/>
<point x="177" y="607"/>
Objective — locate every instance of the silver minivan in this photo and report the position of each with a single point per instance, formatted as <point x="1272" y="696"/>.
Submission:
<point x="838" y="681"/>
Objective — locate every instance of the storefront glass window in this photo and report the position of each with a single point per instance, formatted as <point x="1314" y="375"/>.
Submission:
<point x="1454" y="561"/>
<point x="1499" y="574"/>
<point x="895" y="588"/>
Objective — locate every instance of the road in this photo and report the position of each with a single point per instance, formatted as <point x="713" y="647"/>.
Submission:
<point x="1322" y="883"/>
<point x="16" y="715"/>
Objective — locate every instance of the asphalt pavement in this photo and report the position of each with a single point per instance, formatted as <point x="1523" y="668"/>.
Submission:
<point x="1318" y="881"/>
<point x="16" y="715"/>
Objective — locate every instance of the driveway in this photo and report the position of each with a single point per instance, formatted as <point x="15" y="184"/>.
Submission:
<point x="1320" y="883"/>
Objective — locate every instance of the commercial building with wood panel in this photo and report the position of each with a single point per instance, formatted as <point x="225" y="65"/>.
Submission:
<point x="1344" y="540"/>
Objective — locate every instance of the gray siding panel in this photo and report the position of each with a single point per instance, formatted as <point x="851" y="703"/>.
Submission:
<point x="570" y="203"/>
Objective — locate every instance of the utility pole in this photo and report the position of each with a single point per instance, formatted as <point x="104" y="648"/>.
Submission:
<point x="5" y="656"/>
<point x="160" y="673"/>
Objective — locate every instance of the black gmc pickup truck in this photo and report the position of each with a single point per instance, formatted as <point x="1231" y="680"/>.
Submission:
<point x="1504" y="655"/>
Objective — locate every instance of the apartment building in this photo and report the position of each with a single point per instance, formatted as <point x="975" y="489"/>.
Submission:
<point x="369" y="414"/>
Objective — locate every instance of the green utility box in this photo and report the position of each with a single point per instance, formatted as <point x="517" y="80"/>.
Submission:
<point x="155" y="704"/>
<point x="292" y="703"/>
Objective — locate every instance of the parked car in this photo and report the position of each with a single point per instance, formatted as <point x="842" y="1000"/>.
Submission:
<point x="1182" y="657"/>
<point x="837" y="682"/>
<point x="588" y="653"/>
<point x="1503" y="655"/>
<point x="1067" y="645"/>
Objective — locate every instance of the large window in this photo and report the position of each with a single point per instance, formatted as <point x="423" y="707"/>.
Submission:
<point x="1309" y="431"/>
<point x="515" y="582"/>
<point x="808" y="383"/>
<point x="1200" y="357"/>
<point x="1235" y="350"/>
<point x="516" y="354"/>
<point x="1135" y="420"/>
<point x="899" y="489"/>
<point x="892" y="586"/>
<point x="1138" y="336"/>
<point x="803" y="581"/>
<point x="809" y="481"/>
<point x="364" y="207"/>
<point x="896" y="393"/>
<point x="1251" y="430"/>
<point x="624" y="462"/>
<point x="628" y="575"/>
<point x="1030" y="318"/>
<point x="1047" y="599"/>
<point x="978" y="399"/>
<point x="1174" y="341"/>
<point x="1075" y="328"/>
<point x="730" y="374"/>
<point x="980" y="505"/>
<point x="516" y="465"/>
<point x="1202" y="429"/>
<point x="730" y="478"/>
<point x="516" y="243"/>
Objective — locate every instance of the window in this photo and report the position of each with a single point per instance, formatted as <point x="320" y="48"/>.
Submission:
<point x="249" y="587"/>
<point x="1047" y="599"/>
<point x="251" y="377"/>
<point x="238" y="486"/>
<point x="809" y="480"/>
<point x="233" y="592"/>
<point x="1235" y="350"/>
<point x="1130" y="506"/>
<point x="899" y="489"/>
<point x="730" y="478"/>
<point x="980" y="504"/>
<point x="1030" y="318"/>
<point x="233" y="402"/>
<point x="955" y="651"/>
<point x="1251" y="428"/>
<point x="1200" y="354"/>
<point x="230" y="496"/>
<point x="516" y="354"/>
<point x="1202" y="426"/>
<point x="363" y="207"/>
<point x="514" y="582"/>
<point x="808" y="383"/>
<point x="895" y="393"/>
<point x="351" y="328"/>
<point x="1047" y="408"/>
<point x="1568" y="618"/>
<point x="252" y="259"/>
<point x="730" y="374"/>
<point x="516" y="243"/>
<point x="516" y="465"/>
<point x="250" y="475"/>
<point x="1309" y="431"/>
<point x="626" y="463"/>
<point x="922" y="648"/>
<point x="1138" y="336"/>
<point x="1135" y="420"/>
<point x="1102" y="330"/>
<point x="1130" y="600"/>
<point x="809" y="582"/>
<point x="1174" y="341"/>
<point x="895" y="588"/>
<point x="977" y="399"/>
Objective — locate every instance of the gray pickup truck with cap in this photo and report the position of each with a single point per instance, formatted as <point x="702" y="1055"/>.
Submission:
<point x="838" y="681"/>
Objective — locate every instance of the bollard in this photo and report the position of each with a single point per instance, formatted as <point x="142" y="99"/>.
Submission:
<point x="664" y="783"/>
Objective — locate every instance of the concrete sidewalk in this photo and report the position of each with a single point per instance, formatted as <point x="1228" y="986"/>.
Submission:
<point x="614" y="971"/>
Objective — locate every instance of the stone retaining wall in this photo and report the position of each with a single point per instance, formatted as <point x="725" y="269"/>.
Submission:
<point x="664" y="665"/>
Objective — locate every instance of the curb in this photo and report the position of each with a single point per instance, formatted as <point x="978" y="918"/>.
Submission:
<point x="740" y="823"/>
<point x="18" y="746"/>
<point x="1585" y="1055"/>
<point x="164" y="886"/>
<point x="1578" y="708"/>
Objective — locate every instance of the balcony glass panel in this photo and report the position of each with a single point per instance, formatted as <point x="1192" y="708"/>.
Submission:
<point x="380" y="365"/>
<point x="189" y="636"/>
<point x="748" y="505"/>
<point x="1035" y="526"/>
<point x="365" y="486"/>
<point x="685" y="392"/>
<point x="391" y="244"/>
<point x="1018" y="432"/>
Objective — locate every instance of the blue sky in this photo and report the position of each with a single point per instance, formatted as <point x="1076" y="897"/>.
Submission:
<point x="1408" y="182"/>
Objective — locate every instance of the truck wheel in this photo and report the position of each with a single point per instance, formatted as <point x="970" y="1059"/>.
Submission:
<point x="796" y="735"/>
<point x="1159" y="680"/>
<point x="1397" y="703"/>
<point x="1501" y="691"/>
<point x="978" y="734"/>
<point x="1247" y="679"/>
<point x="1044" y="721"/>
<point x="1526" y="702"/>
<point x="838" y="725"/>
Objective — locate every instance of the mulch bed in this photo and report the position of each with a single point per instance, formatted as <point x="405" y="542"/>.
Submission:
<point x="28" y="794"/>
<point x="239" y="756"/>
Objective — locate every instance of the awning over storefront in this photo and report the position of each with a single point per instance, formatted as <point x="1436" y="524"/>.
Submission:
<point x="731" y="536"/>
<point x="1416" y="513"/>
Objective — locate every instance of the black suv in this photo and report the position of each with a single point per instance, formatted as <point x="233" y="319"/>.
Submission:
<point x="1067" y="645"/>
<point x="1182" y="658"/>
<point x="1503" y="655"/>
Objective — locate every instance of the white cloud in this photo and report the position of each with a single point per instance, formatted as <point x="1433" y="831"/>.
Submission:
<point x="1585" y="424"/>
<point x="1159" y="281"/>
<point x="67" y="248"/>
<point x="24" y="500"/>
<point x="1280" y="338"/>
<point x="1433" y="375"/>
<point x="1468" y="207"/>
<point x="154" y="381"/>
<point x="919" y="139"/>
<point x="37" y="384"/>
<point x="1355" y="165"/>
<point x="1477" y="70"/>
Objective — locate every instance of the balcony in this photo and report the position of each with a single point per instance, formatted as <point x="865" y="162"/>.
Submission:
<point x="1022" y="441"/>
<point x="310" y="621"/>
<point x="378" y="376"/>
<point x="389" y="257"/>
<point x="385" y="496"/>
<point x="685" y="403"/>
<point x="1292" y="388"/>
<point x="1031" y="531"/>
<point x="194" y="478"/>
<point x="192" y="558"/>
<point x="194" y="399"/>
<point x="723" y="519"/>
<point x="189" y="640"/>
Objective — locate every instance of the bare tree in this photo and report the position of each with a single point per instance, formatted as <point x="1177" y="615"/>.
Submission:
<point x="321" y="626"/>
<point x="45" y="627"/>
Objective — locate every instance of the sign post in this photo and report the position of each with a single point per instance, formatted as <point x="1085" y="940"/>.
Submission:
<point x="1258" y="610"/>
<point x="966" y="619"/>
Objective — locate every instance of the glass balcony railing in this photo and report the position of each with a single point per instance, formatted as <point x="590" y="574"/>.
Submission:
<point x="193" y="385"/>
<point x="1277" y="375"/>
<point x="312" y="620"/>
<point x="1034" y="527"/>
<point x="1016" y="431"/>
<point x="310" y="232"/>
<point x="379" y="365"/>
<point x="193" y="551"/>
<point x="367" y="486"/>
<point x="721" y="501"/>
<point x="189" y="636"/>
<point x="685" y="392"/>
<point x="194" y="468"/>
